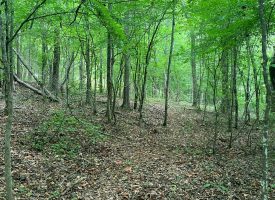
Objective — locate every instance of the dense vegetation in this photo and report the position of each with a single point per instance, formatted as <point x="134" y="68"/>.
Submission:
<point x="115" y="57"/>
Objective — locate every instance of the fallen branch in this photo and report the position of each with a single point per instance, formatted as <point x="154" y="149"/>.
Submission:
<point x="46" y="92"/>
<point x="35" y="90"/>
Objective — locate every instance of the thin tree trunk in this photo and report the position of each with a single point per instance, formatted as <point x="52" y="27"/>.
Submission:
<point x="56" y="62"/>
<point x="169" y="68"/>
<point x="109" y="74"/>
<point x="101" y="72"/>
<point x="247" y="89"/>
<point x="5" y="33"/>
<point x="147" y="61"/>
<point x="95" y="82"/>
<point x="18" y="63"/>
<point x="29" y="58"/>
<point x="136" y="80"/>
<point x="126" y="87"/>
<point x="44" y="57"/>
<point x="88" y="73"/>
<point x="234" y="83"/>
<point x="268" y="99"/>
<point x="81" y="73"/>
<point x="194" y="71"/>
<point x="256" y="83"/>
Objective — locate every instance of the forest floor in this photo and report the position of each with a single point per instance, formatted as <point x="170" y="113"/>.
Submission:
<point x="57" y="156"/>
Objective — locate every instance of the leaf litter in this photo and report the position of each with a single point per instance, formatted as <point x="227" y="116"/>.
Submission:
<point x="138" y="161"/>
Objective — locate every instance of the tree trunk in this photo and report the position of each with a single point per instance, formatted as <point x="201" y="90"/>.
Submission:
<point x="88" y="73"/>
<point x="109" y="79"/>
<point x="169" y="68"/>
<point x="194" y="71"/>
<point x="136" y="80"/>
<point x="95" y="82"/>
<point x="29" y="58"/>
<point x="234" y="86"/>
<point x="68" y="70"/>
<point x="81" y="73"/>
<point x="256" y="82"/>
<point x="56" y="62"/>
<point x="247" y="89"/>
<point x="225" y="84"/>
<point x="101" y="72"/>
<point x="6" y="31"/>
<point x="126" y="87"/>
<point x="44" y="57"/>
<point x="109" y="73"/>
<point x="268" y="95"/>
<point x="18" y="63"/>
<point x="147" y="61"/>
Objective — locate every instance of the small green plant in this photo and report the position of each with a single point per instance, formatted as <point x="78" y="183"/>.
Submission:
<point x="63" y="134"/>
<point x="55" y="194"/>
<point x="218" y="186"/>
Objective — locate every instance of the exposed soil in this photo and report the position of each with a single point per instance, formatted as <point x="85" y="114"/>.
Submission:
<point x="137" y="160"/>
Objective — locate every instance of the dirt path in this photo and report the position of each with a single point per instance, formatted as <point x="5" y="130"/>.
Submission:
<point x="144" y="161"/>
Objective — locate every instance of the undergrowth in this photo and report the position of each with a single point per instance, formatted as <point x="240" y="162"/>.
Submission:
<point x="63" y="134"/>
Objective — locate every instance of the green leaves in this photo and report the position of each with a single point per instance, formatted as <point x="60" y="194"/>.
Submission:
<point x="104" y="15"/>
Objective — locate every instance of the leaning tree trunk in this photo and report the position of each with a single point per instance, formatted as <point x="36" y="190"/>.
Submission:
<point x="147" y="61"/>
<point x="268" y="99"/>
<point x="169" y="68"/>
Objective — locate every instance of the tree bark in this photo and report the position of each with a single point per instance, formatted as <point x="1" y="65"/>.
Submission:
<point x="88" y="73"/>
<point x="268" y="99"/>
<point x="109" y="73"/>
<point x="6" y="32"/>
<point x="194" y="71"/>
<point x="234" y="83"/>
<point x="101" y="72"/>
<point x="169" y="68"/>
<point x="56" y="63"/>
<point x="147" y="61"/>
<point x="18" y="63"/>
<point x="44" y="57"/>
<point x="126" y="86"/>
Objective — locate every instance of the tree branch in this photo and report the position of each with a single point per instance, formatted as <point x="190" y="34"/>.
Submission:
<point x="26" y="20"/>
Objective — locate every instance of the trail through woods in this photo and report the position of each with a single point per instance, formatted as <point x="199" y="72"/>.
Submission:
<point x="144" y="161"/>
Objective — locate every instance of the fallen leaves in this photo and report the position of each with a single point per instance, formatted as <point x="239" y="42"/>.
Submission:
<point x="152" y="162"/>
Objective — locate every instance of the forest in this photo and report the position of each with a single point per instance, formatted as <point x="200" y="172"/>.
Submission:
<point x="137" y="99"/>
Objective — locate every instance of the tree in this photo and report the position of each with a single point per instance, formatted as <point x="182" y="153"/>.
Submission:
<point x="126" y="84"/>
<point x="268" y="99"/>
<point x="56" y="62"/>
<point x="6" y="33"/>
<point x="169" y="66"/>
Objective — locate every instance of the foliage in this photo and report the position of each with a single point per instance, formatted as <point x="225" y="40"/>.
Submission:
<point x="63" y="134"/>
